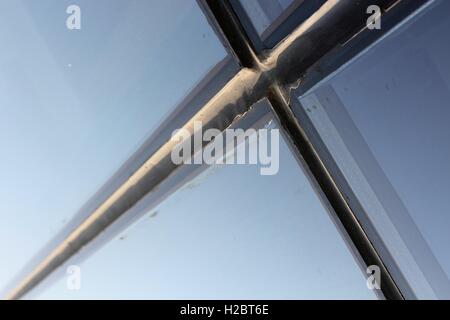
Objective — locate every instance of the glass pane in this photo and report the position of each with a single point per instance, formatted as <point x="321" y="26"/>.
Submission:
<point x="76" y="103"/>
<point x="385" y="120"/>
<point x="231" y="233"/>
<point x="263" y="13"/>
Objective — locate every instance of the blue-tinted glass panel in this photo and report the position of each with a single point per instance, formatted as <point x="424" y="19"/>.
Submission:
<point x="263" y="13"/>
<point x="231" y="233"/>
<point x="384" y="118"/>
<point x="75" y="104"/>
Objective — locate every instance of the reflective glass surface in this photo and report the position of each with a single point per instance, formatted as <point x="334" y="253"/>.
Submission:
<point x="76" y="103"/>
<point x="384" y="119"/>
<point x="263" y="13"/>
<point x="231" y="233"/>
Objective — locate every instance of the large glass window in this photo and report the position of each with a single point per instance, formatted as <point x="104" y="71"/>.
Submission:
<point x="231" y="233"/>
<point x="75" y="104"/>
<point x="384" y="119"/>
<point x="90" y="91"/>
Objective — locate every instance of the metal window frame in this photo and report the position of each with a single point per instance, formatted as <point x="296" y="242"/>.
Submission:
<point x="430" y="268"/>
<point x="256" y="118"/>
<point x="329" y="65"/>
<point x="297" y="12"/>
<point x="271" y="74"/>
<point x="205" y="90"/>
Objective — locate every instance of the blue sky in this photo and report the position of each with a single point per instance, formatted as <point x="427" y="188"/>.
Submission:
<point x="231" y="233"/>
<point x="74" y="105"/>
<point x="391" y="106"/>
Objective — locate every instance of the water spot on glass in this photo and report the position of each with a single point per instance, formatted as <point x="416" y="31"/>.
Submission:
<point x="153" y="214"/>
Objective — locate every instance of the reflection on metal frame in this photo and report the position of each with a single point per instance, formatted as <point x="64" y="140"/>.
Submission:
<point x="191" y="104"/>
<point x="257" y="117"/>
<point x="216" y="78"/>
<point x="338" y="57"/>
<point x="333" y="24"/>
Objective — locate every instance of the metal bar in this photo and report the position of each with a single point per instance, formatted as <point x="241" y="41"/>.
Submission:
<point x="245" y="89"/>
<point x="247" y="25"/>
<point x="329" y="27"/>
<point x="331" y="191"/>
<point x="233" y="32"/>
<point x="285" y="65"/>
<point x="295" y="14"/>
<point x="212" y="83"/>
<point x="332" y="24"/>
